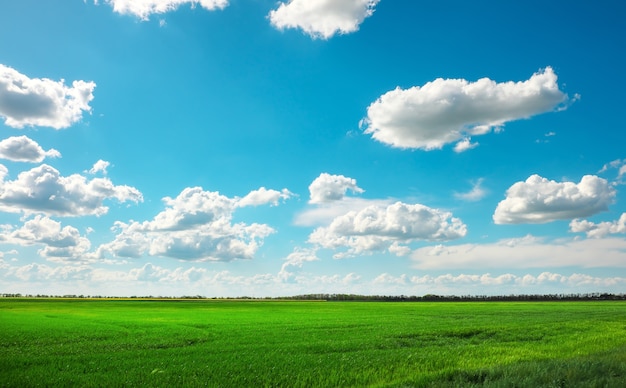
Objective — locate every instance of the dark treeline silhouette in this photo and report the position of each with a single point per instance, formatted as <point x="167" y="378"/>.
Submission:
<point x="457" y="298"/>
<point x="363" y="298"/>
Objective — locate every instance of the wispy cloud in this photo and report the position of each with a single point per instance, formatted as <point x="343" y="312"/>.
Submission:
<point x="475" y="194"/>
<point x="619" y="165"/>
<point x="526" y="252"/>
<point x="295" y="260"/>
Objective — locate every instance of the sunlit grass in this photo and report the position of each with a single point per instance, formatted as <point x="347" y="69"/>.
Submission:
<point x="237" y="343"/>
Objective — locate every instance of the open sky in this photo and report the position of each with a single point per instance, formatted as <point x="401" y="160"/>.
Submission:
<point x="269" y="148"/>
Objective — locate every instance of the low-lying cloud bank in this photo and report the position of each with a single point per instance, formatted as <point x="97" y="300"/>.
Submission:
<point x="151" y="279"/>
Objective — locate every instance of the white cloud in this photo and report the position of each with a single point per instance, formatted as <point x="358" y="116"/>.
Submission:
<point x="60" y="243"/>
<point x="24" y="149"/>
<point x="475" y="194"/>
<point x="144" y="8"/>
<point x="40" y="101"/>
<point x="357" y="226"/>
<point x="151" y="279"/>
<point x="448" y="110"/>
<point x="377" y="228"/>
<point x="539" y="200"/>
<point x="42" y="272"/>
<point x="545" y="278"/>
<point x="325" y="213"/>
<point x="464" y="145"/>
<point x="601" y="229"/>
<point x="328" y="194"/>
<point x="295" y="260"/>
<point x="264" y="196"/>
<point x="618" y="164"/>
<point x="327" y="188"/>
<point x="386" y="278"/>
<point x="527" y="252"/>
<point x="100" y="166"/>
<point x="43" y="190"/>
<point x="196" y="225"/>
<point x="545" y="138"/>
<point x="322" y="18"/>
<point x="399" y="250"/>
<point x="153" y="273"/>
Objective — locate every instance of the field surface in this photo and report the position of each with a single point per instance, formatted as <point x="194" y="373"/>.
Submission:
<point x="59" y="342"/>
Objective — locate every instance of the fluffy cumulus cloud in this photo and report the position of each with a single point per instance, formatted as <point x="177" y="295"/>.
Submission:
<point x="379" y="228"/>
<point x="524" y="252"/>
<point x="328" y="195"/>
<point x="452" y="110"/>
<point x="322" y="18"/>
<point x="264" y="196"/>
<point x="326" y="188"/>
<point x="144" y="8"/>
<point x="42" y="102"/>
<point x="24" y="149"/>
<point x="539" y="200"/>
<point x="196" y="225"/>
<point x="59" y="243"/>
<point x="100" y="166"/>
<point x="601" y="229"/>
<point x="44" y="190"/>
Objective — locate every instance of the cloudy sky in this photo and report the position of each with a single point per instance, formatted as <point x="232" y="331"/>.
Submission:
<point x="268" y="148"/>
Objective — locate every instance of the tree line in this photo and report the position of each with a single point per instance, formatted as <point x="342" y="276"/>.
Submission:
<point x="459" y="298"/>
<point x="363" y="298"/>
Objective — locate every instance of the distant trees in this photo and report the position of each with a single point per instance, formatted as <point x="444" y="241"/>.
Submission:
<point x="364" y="298"/>
<point x="456" y="298"/>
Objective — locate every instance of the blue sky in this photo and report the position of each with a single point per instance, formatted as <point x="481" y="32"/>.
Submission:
<point x="264" y="148"/>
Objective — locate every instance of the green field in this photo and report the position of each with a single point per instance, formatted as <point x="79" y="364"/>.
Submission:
<point x="60" y="342"/>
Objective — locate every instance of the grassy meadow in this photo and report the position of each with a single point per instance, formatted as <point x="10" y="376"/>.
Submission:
<point x="62" y="342"/>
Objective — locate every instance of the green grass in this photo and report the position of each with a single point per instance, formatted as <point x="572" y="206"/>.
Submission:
<point x="304" y="344"/>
